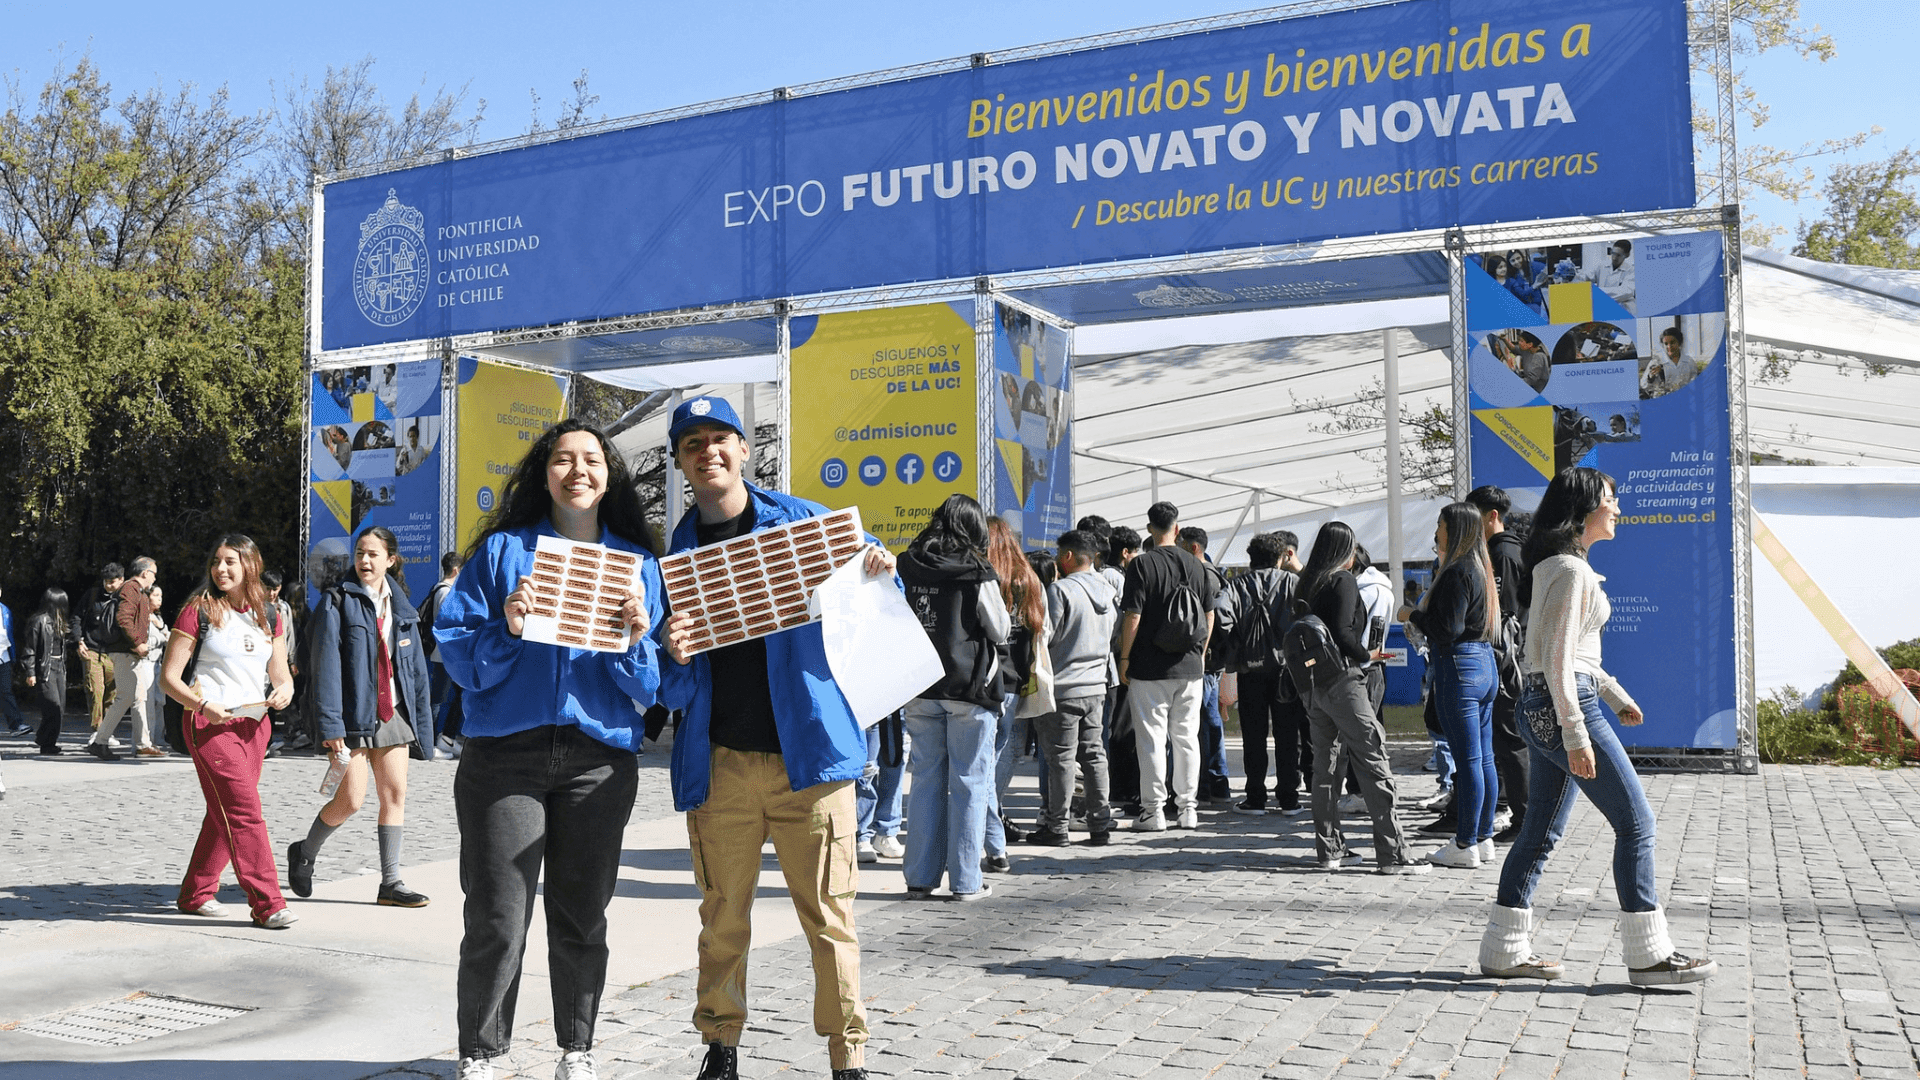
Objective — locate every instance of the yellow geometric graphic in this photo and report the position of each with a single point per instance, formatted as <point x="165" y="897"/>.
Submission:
<point x="1529" y="431"/>
<point x="1013" y="456"/>
<point x="362" y="408"/>
<point x="338" y="497"/>
<point x="1571" y="303"/>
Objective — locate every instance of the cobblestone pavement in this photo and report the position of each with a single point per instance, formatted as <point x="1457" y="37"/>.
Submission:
<point x="119" y="842"/>
<point x="1222" y="953"/>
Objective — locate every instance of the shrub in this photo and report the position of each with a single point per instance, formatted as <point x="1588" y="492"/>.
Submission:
<point x="1790" y="734"/>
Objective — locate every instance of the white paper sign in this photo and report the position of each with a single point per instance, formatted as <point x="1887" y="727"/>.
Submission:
<point x="876" y="648"/>
<point x="577" y="592"/>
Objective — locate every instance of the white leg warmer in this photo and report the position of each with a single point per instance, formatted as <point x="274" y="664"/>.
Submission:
<point x="1643" y="938"/>
<point x="1505" y="944"/>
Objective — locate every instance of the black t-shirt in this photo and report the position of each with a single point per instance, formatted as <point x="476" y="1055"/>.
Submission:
<point x="1151" y="579"/>
<point x="742" y="697"/>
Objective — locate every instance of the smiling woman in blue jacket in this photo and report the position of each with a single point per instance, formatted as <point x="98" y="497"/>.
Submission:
<point x="548" y="772"/>
<point x="370" y="686"/>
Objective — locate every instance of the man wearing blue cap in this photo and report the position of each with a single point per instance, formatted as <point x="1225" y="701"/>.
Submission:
<point x="768" y="748"/>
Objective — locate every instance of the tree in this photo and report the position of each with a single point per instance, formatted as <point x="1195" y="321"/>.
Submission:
<point x="1871" y="218"/>
<point x="1757" y="26"/>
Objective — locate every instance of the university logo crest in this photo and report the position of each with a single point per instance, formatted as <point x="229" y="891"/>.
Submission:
<point x="391" y="271"/>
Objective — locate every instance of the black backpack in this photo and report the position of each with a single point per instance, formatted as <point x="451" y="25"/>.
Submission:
<point x="1509" y="650"/>
<point x="100" y="625"/>
<point x="1262" y="605"/>
<point x="1313" y="661"/>
<point x="1183" y="626"/>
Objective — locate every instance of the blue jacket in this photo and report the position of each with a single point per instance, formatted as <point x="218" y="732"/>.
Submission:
<point x="6" y="636"/>
<point x="345" y="656"/>
<point x="820" y="740"/>
<point x="514" y="685"/>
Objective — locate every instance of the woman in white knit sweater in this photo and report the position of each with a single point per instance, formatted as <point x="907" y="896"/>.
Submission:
<point x="1572" y="745"/>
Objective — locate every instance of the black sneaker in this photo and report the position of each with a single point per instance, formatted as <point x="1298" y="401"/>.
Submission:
<point x="1445" y="824"/>
<point x="1014" y="833"/>
<point x="1047" y="838"/>
<point x="51" y="750"/>
<point x="1100" y="838"/>
<point x="398" y="895"/>
<point x="849" y="1074"/>
<point x="1674" y="970"/>
<point x="102" y="751"/>
<point x="995" y="864"/>
<point x="723" y="1063"/>
<point x="1509" y="834"/>
<point x="300" y="871"/>
<point x="1250" y="808"/>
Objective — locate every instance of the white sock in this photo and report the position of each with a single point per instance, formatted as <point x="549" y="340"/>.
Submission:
<point x="1505" y="943"/>
<point x="1643" y="938"/>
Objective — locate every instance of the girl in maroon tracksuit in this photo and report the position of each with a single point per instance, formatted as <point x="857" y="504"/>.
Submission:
<point x="239" y="672"/>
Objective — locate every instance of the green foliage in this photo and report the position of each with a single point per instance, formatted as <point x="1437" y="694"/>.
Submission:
<point x="1900" y="654"/>
<point x="1872" y="216"/>
<point x="1790" y="734"/>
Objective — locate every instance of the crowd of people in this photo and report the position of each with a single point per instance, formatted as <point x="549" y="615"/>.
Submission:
<point x="1111" y="656"/>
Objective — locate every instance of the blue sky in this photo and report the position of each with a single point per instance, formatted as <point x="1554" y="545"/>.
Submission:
<point x="647" y="54"/>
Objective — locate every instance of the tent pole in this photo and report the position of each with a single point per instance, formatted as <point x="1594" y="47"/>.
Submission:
<point x="1390" y="353"/>
<point x="670" y="478"/>
<point x="1153" y="482"/>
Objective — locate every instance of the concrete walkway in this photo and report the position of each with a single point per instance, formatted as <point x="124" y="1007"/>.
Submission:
<point x="1216" y="953"/>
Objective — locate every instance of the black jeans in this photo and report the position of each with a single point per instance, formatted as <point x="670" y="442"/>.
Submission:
<point x="552" y="795"/>
<point x="1510" y="756"/>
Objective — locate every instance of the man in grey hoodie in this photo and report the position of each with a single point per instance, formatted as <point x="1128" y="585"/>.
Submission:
<point x="1080" y="619"/>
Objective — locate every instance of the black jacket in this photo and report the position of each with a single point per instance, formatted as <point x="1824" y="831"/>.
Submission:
<point x="1509" y="570"/>
<point x="1338" y="605"/>
<point x="43" y="654"/>
<point x="946" y="593"/>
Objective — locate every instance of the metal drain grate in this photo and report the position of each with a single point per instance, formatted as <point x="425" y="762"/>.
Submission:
<point x="132" y="1019"/>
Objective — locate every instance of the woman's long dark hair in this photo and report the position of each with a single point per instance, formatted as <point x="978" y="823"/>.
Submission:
<point x="1332" y="547"/>
<point x="958" y="527"/>
<point x="1562" y="515"/>
<point x="525" y="500"/>
<point x="1020" y="587"/>
<point x="53" y="604"/>
<point x="251" y="596"/>
<point x="392" y="544"/>
<point x="1467" y="543"/>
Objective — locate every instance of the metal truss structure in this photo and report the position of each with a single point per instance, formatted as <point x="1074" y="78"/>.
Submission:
<point x="1711" y="37"/>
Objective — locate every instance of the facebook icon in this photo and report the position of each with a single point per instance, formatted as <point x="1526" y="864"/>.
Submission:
<point x="910" y="468"/>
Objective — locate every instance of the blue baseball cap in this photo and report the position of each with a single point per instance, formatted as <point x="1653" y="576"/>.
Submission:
<point x="703" y="410"/>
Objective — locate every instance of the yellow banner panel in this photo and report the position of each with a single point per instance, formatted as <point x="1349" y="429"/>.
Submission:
<point x="885" y="407"/>
<point x="1528" y="431"/>
<point x="501" y="412"/>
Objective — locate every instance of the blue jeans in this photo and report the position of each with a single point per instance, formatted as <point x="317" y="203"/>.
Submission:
<point x="1004" y="755"/>
<point x="1464" y="683"/>
<point x="951" y="762"/>
<point x="876" y="795"/>
<point x="1614" y="790"/>
<point x="9" y="708"/>
<point x="1213" y="742"/>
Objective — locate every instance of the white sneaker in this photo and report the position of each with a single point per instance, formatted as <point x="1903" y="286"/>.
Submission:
<point x="446" y="747"/>
<point x="1452" y="854"/>
<point x="1154" y="822"/>
<point x="475" y="1069"/>
<point x="113" y="743"/>
<point x="888" y="847"/>
<point x="866" y="852"/>
<point x="212" y="909"/>
<point x="1352" y="804"/>
<point x="1189" y="819"/>
<point x="576" y="1065"/>
<point x="279" y="920"/>
<point x="1485" y="850"/>
<point x="1502" y="819"/>
<point x="1440" y="799"/>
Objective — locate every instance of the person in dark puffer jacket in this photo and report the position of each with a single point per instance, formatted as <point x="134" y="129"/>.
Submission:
<point x="954" y="591"/>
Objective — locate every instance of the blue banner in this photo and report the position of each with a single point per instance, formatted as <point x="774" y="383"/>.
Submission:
<point x="1405" y="116"/>
<point x="1613" y="355"/>
<point x="375" y="461"/>
<point x="1032" y="427"/>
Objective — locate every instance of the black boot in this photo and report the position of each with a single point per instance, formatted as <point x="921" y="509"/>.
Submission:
<point x="723" y="1063"/>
